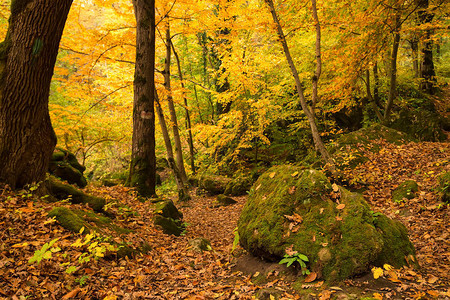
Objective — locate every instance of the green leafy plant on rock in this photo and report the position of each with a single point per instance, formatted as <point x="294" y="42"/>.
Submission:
<point x="293" y="256"/>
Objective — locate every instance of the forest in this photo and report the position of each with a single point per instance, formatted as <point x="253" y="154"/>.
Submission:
<point x="229" y="149"/>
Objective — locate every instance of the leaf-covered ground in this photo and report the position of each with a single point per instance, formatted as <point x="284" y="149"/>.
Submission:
<point x="171" y="269"/>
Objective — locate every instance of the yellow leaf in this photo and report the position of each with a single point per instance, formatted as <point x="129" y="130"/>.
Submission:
<point x="335" y="187"/>
<point x="377" y="272"/>
<point x="294" y="174"/>
<point x="387" y="267"/>
<point x="378" y="296"/>
<point x="272" y="175"/>
<point x="20" y="245"/>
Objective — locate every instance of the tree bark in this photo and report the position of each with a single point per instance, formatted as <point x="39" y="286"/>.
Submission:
<point x="427" y="73"/>
<point x="173" y="114"/>
<point x="27" y="58"/>
<point x="315" y="132"/>
<point x="183" y="193"/>
<point x="393" y="71"/>
<point x="143" y="162"/>
<point x="188" y="117"/>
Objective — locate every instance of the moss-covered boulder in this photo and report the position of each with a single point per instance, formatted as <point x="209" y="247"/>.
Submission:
<point x="349" y="149"/>
<point x="65" y="165"/>
<point x="222" y="200"/>
<point x="168" y="218"/>
<point x="63" y="191"/>
<point x="213" y="184"/>
<point x="292" y="207"/>
<point x="421" y="123"/>
<point x="238" y="186"/>
<point x="406" y="190"/>
<point x="444" y="187"/>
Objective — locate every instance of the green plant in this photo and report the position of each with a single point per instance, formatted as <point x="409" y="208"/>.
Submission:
<point x="82" y="280"/>
<point x="45" y="252"/>
<point x="293" y="257"/>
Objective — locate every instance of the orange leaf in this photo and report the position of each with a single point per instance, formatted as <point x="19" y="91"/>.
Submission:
<point x="311" y="277"/>
<point x="340" y="206"/>
<point x="71" y="294"/>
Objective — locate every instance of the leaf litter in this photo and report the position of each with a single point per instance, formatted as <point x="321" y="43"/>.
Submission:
<point x="171" y="270"/>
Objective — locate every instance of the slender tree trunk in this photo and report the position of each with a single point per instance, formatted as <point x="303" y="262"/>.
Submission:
<point x="173" y="115"/>
<point x="188" y="117"/>
<point x="315" y="81"/>
<point x="371" y="99"/>
<point x="315" y="132"/>
<point x="27" y="58"/>
<point x="415" y="55"/>
<point x="376" y="86"/>
<point x="143" y="163"/>
<point x="183" y="193"/>
<point x="393" y="71"/>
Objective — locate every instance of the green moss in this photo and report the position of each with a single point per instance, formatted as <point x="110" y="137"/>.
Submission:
<point x="396" y="244"/>
<point x="349" y="149"/>
<point x="168" y="225"/>
<point x="339" y="243"/>
<point x="141" y="178"/>
<point x="168" y="209"/>
<point x="406" y="190"/>
<point x="69" y="219"/>
<point x="64" y="191"/>
<point x="238" y="186"/>
<point x="213" y="184"/>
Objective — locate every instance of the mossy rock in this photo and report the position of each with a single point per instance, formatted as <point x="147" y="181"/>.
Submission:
<point x="406" y="190"/>
<point x="63" y="191"/>
<point x="213" y="184"/>
<point x="444" y="187"/>
<point x="339" y="243"/>
<point x="422" y="124"/>
<point x="168" y="225"/>
<point x="200" y="244"/>
<point x="222" y="200"/>
<point x="69" y="219"/>
<point x="349" y="149"/>
<point x="168" y="217"/>
<point x="161" y="164"/>
<point x="238" y="186"/>
<point x="65" y="165"/>
<point x="167" y="209"/>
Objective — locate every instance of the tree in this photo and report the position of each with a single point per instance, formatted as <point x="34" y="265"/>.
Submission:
<point x="309" y="113"/>
<point x="143" y="161"/>
<point x="27" y="58"/>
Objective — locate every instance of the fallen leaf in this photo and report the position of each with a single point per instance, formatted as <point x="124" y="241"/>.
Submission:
<point x="377" y="272"/>
<point x="291" y="191"/>
<point x="340" y="206"/>
<point x="272" y="175"/>
<point x="294" y="174"/>
<point x="311" y="277"/>
<point x="71" y="294"/>
<point x="378" y="296"/>
<point x="335" y="187"/>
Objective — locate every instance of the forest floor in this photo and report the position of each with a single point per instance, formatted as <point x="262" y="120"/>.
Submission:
<point x="173" y="270"/>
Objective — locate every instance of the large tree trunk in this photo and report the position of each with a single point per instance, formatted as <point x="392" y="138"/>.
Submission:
<point x="427" y="73"/>
<point x="143" y="163"/>
<point x="27" y="58"/>
<point x="173" y="115"/>
<point x="315" y="132"/>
